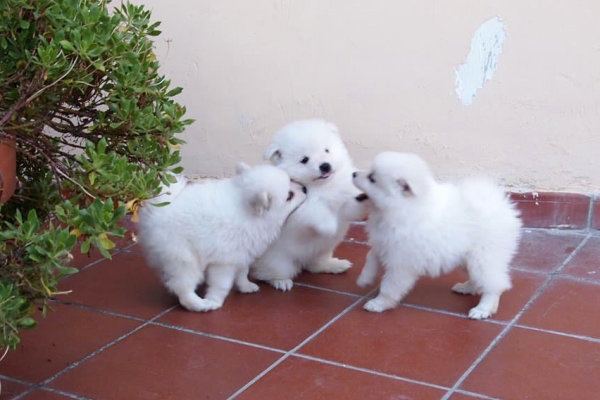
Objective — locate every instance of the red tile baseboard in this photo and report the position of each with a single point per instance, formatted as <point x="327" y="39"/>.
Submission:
<point x="596" y="214"/>
<point x="555" y="210"/>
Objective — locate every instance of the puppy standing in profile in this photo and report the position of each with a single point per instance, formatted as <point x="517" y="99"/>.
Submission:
<point x="313" y="154"/>
<point x="213" y="230"/>
<point x="418" y="226"/>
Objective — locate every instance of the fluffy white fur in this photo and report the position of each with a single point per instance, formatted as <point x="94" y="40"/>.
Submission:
<point x="418" y="226"/>
<point x="213" y="230"/>
<point x="313" y="154"/>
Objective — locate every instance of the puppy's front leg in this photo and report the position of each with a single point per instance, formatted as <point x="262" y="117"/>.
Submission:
<point x="369" y="271"/>
<point x="395" y="285"/>
<point x="355" y="208"/>
<point x="323" y="221"/>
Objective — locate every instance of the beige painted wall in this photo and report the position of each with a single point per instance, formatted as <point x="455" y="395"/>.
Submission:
<point x="384" y="72"/>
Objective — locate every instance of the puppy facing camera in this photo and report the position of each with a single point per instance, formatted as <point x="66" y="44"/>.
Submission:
<point x="313" y="154"/>
<point x="211" y="231"/>
<point x="418" y="226"/>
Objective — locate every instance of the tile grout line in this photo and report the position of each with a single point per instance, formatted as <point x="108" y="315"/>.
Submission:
<point x="590" y="216"/>
<point x="217" y="337"/>
<point x="513" y="322"/>
<point x="369" y="371"/>
<point x="300" y="345"/>
<point x="326" y="289"/>
<point x="559" y="333"/>
<point x="94" y="353"/>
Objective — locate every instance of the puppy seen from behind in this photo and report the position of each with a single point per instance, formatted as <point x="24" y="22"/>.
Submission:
<point x="418" y="226"/>
<point x="211" y="231"/>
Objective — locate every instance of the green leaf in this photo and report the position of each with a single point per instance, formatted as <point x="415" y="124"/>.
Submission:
<point x="66" y="45"/>
<point x="27" y="323"/>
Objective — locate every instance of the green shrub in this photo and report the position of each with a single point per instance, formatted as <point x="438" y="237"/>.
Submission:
<point x="95" y="126"/>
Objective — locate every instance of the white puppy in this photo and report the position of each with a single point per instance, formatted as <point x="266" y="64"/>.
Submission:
<point x="216" y="228"/>
<point x="313" y="154"/>
<point x="418" y="226"/>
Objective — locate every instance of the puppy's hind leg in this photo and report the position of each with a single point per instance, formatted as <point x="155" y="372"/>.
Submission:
<point x="184" y="287"/>
<point x="488" y="304"/>
<point x="490" y="278"/>
<point x="276" y="268"/>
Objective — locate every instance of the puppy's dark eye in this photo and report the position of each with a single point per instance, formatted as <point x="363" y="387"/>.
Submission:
<point x="304" y="160"/>
<point x="290" y="195"/>
<point x="326" y="150"/>
<point x="371" y="178"/>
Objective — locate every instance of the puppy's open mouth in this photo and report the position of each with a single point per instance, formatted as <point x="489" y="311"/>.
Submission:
<point x="324" y="176"/>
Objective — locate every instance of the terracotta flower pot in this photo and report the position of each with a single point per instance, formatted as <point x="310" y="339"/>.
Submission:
<point x="8" y="169"/>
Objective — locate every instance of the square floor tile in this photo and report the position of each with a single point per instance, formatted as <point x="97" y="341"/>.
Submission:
<point x="124" y="284"/>
<point x="410" y="343"/>
<point x="436" y="293"/>
<point x="545" y="250"/>
<point x="567" y="306"/>
<point x="535" y="365"/>
<point x="161" y="363"/>
<point x="298" y="378"/>
<point x="345" y="282"/>
<point x="66" y="335"/>
<point x="586" y="263"/>
<point x="269" y="317"/>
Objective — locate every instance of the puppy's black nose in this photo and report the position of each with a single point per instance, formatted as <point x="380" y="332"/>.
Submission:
<point x="354" y="174"/>
<point x="325" y="168"/>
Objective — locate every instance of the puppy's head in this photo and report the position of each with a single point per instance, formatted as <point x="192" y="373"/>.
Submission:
<point x="395" y="178"/>
<point x="310" y="151"/>
<point x="268" y="191"/>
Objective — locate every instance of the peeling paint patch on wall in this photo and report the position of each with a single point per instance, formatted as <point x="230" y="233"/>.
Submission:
<point x="481" y="63"/>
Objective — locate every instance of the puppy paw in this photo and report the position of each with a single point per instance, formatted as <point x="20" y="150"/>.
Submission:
<point x="248" y="287"/>
<point x="202" y="305"/>
<point x="282" y="284"/>
<point x="480" y="313"/>
<point x="377" y="305"/>
<point x="337" y="266"/>
<point x="463" y="288"/>
<point x="330" y="266"/>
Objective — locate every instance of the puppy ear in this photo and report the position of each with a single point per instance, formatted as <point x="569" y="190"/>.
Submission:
<point x="405" y="187"/>
<point x="261" y="203"/>
<point x="241" y="167"/>
<point x="273" y="154"/>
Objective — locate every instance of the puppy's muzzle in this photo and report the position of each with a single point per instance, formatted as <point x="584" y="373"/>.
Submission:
<point x="361" y="197"/>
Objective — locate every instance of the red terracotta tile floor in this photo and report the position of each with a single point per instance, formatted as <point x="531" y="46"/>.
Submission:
<point x="119" y="335"/>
